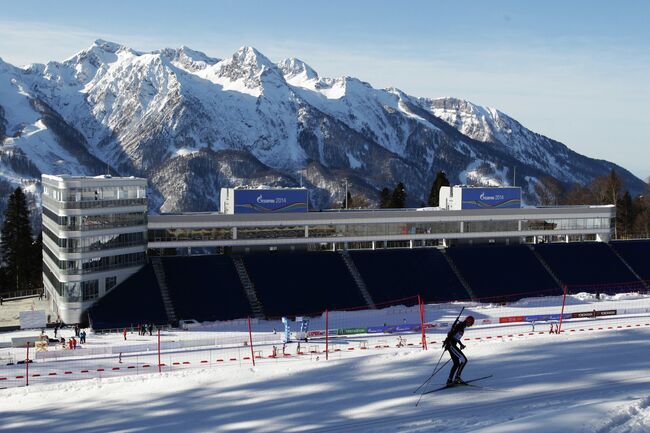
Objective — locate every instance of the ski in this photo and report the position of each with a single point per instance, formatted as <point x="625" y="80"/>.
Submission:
<point x="467" y="382"/>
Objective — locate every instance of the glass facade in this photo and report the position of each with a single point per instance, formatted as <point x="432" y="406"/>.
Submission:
<point x="270" y="232"/>
<point x="95" y="243"/>
<point x="96" y="264"/>
<point x="96" y="222"/>
<point x="566" y="224"/>
<point x="389" y="230"/>
<point x="90" y="289"/>
<point x="71" y="213"/>
<point x="491" y="226"/>
<point x="382" y="229"/>
<point x="97" y="193"/>
<point x="173" y="235"/>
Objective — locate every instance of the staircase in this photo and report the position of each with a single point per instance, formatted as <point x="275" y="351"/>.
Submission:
<point x="547" y="267"/>
<point x="249" y="287"/>
<point x="460" y="277"/>
<point x="356" y="275"/>
<point x="627" y="265"/>
<point x="159" y="270"/>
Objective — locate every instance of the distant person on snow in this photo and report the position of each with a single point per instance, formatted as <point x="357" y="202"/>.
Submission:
<point x="454" y="345"/>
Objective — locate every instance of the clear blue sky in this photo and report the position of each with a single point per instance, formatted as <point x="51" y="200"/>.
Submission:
<point x="576" y="71"/>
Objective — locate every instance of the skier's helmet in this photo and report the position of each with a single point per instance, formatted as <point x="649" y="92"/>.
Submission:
<point x="469" y="320"/>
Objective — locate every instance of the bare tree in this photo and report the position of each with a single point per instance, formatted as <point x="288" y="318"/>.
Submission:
<point x="549" y="190"/>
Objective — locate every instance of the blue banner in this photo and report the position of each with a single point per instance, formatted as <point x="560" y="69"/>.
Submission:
<point x="270" y="201"/>
<point x="406" y="328"/>
<point x="546" y="317"/>
<point x="489" y="198"/>
<point x="389" y="329"/>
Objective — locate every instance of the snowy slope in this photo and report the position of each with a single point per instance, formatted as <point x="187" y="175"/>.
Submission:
<point x="579" y="382"/>
<point x="110" y="107"/>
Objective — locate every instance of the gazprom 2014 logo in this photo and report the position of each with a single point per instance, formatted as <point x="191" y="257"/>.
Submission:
<point x="493" y="197"/>
<point x="276" y="200"/>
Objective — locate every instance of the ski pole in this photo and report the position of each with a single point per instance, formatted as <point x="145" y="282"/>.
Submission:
<point x="436" y="370"/>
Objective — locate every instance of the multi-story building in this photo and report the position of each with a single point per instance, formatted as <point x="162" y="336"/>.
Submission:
<point x="94" y="237"/>
<point x="379" y="228"/>
<point x="96" y="231"/>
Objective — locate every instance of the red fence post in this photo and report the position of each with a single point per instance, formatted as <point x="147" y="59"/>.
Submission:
<point x="159" y="366"/>
<point x="27" y="366"/>
<point x="327" y="335"/>
<point x="559" y="326"/>
<point x="250" y="337"/>
<point x="424" y="338"/>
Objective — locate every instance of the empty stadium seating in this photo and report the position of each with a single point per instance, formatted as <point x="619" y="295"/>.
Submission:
<point x="637" y="255"/>
<point x="136" y="300"/>
<point x="205" y="288"/>
<point x="297" y="283"/>
<point x="290" y="283"/>
<point x="588" y="266"/>
<point x="502" y="272"/>
<point x="399" y="273"/>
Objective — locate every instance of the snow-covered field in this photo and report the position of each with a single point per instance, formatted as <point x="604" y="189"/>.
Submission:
<point x="592" y="381"/>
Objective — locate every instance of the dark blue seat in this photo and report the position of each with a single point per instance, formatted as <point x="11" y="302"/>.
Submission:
<point x="393" y="274"/>
<point x="205" y="288"/>
<point x="637" y="255"/>
<point x="588" y="266"/>
<point x="302" y="283"/>
<point x="136" y="300"/>
<point x="503" y="272"/>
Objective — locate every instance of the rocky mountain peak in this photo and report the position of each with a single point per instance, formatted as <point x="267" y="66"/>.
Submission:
<point x="188" y="59"/>
<point x="295" y="68"/>
<point x="250" y="68"/>
<point x="192" y="124"/>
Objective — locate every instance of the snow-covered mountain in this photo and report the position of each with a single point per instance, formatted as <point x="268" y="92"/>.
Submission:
<point x="193" y="124"/>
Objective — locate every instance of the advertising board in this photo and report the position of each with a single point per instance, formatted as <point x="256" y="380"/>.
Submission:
<point x="32" y="319"/>
<point x="271" y="200"/>
<point x="491" y="198"/>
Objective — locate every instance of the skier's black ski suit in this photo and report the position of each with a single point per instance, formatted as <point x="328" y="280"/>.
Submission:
<point x="454" y="345"/>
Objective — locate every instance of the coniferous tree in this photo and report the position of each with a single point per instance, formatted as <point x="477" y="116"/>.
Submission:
<point x="17" y="244"/>
<point x="36" y="261"/>
<point x="385" y="198"/>
<point x="625" y="215"/>
<point x="398" y="198"/>
<point x="434" y="195"/>
<point x="641" y="225"/>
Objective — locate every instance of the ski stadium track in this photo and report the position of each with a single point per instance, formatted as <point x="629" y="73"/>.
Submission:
<point x="559" y="398"/>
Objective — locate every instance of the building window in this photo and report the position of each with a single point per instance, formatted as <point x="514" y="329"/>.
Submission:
<point x="90" y="289"/>
<point x="110" y="283"/>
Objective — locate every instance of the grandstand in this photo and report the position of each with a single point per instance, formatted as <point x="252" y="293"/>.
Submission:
<point x="635" y="254"/>
<point x="205" y="288"/>
<point x="209" y="288"/>
<point x="589" y="266"/>
<point x="400" y="273"/>
<point x="502" y="272"/>
<point x="137" y="300"/>
<point x="300" y="282"/>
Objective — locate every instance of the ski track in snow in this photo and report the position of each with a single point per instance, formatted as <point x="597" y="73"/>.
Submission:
<point x="592" y="382"/>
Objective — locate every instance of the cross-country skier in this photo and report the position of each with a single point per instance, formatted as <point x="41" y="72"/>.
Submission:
<point x="451" y="344"/>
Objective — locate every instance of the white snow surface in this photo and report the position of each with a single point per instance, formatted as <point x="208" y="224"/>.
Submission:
<point x="593" y="381"/>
